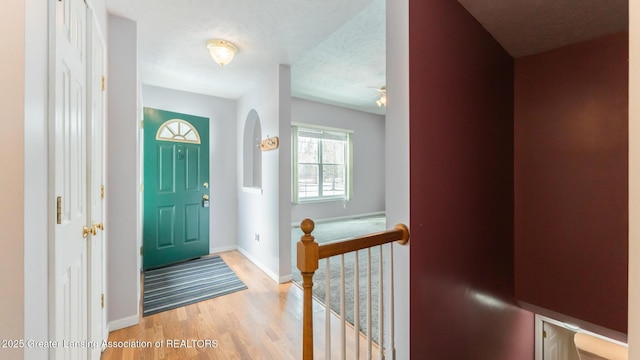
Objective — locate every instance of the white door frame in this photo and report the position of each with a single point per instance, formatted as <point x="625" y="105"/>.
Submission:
<point x="96" y="115"/>
<point x="540" y="319"/>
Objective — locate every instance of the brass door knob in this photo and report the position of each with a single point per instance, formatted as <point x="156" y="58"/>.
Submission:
<point x="99" y="225"/>
<point x="86" y="231"/>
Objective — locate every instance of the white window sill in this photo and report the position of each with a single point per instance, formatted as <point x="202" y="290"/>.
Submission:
<point x="320" y="200"/>
<point x="252" y="190"/>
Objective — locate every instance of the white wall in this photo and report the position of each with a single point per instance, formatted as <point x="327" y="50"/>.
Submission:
<point x="12" y="146"/>
<point x="123" y="183"/>
<point x="36" y="232"/>
<point x="634" y="181"/>
<point x="100" y="11"/>
<point x="368" y="194"/>
<point x="260" y="213"/>
<point x="397" y="155"/>
<point x="222" y="150"/>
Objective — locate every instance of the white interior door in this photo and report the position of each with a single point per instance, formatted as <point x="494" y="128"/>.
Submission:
<point x="558" y="343"/>
<point x="69" y="245"/>
<point x="97" y="281"/>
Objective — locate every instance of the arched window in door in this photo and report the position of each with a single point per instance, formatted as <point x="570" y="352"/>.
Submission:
<point x="178" y="130"/>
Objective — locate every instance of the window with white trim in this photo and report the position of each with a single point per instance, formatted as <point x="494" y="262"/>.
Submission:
<point x="321" y="163"/>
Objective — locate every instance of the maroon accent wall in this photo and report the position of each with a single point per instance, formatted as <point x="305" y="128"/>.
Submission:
<point x="461" y="152"/>
<point x="571" y="146"/>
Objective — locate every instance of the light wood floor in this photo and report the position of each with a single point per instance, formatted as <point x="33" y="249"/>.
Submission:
<point x="262" y="322"/>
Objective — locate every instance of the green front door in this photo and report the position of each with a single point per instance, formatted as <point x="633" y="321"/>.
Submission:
<point x="176" y="187"/>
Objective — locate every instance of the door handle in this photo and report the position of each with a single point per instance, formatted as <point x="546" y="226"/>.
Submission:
<point x="86" y="231"/>
<point x="99" y="225"/>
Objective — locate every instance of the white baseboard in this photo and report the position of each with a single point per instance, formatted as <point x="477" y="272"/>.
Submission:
<point x="348" y="217"/>
<point x="123" y="323"/>
<point x="261" y="266"/>
<point x="222" y="249"/>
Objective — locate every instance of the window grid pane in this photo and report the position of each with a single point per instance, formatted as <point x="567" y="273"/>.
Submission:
<point x="177" y="130"/>
<point x="333" y="151"/>
<point x="322" y="165"/>
<point x="333" y="180"/>
<point x="308" y="180"/>
<point x="308" y="150"/>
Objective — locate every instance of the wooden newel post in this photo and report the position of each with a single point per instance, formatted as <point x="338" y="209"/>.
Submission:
<point x="308" y="255"/>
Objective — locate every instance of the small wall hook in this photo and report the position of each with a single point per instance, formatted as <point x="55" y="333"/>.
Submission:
<point x="270" y="143"/>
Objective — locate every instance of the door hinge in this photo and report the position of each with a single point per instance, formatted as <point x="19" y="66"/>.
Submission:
<point x="544" y="334"/>
<point x="102" y="192"/>
<point x="59" y="210"/>
<point x="141" y="124"/>
<point x="141" y="187"/>
<point x="103" y="86"/>
<point x="102" y="301"/>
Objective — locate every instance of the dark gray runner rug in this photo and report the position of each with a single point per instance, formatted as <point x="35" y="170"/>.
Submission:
<point x="187" y="283"/>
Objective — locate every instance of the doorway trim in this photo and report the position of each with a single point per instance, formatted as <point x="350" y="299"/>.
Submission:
<point x="538" y="340"/>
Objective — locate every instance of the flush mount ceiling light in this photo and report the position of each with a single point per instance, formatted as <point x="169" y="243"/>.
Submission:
<point x="382" y="97"/>
<point x="221" y="51"/>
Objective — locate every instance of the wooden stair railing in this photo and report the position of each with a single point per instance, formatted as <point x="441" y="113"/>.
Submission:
<point x="310" y="252"/>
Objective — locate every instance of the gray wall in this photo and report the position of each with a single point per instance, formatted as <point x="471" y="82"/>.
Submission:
<point x="284" y="183"/>
<point x="397" y="155"/>
<point x="368" y="195"/>
<point x="222" y="151"/>
<point x="123" y="181"/>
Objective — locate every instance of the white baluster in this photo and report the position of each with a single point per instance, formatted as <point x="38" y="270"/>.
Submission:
<point x="392" y="345"/>
<point x="381" y="308"/>
<point x="343" y="328"/>
<point x="369" y="357"/>
<point x="356" y="308"/>
<point x="327" y="302"/>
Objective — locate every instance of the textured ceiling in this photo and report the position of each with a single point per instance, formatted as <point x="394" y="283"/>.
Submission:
<point x="525" y="27"/>
<point x="336" y="48"/>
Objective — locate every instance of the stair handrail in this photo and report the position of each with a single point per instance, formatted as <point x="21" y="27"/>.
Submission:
<point x="310" y="252"/>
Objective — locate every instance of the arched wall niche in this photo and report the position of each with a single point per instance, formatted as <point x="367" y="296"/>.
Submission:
<point x="252" y="155"/>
